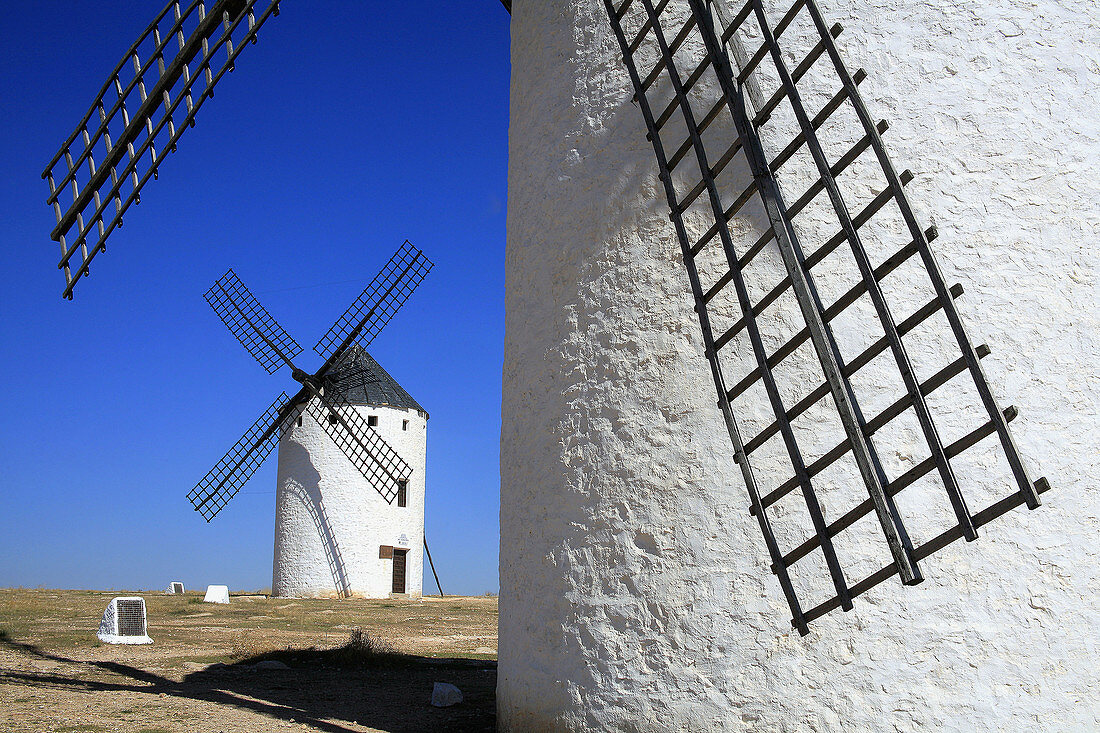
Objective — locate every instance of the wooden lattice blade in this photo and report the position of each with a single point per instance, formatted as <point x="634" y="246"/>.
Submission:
<point x="148" y="100"/>
<point x="250" y="322"/>
<point x="237" y="466"/>
<point x="364" y="447"/>
<point x="376" y="305"/>
<point x="735" y="75"/>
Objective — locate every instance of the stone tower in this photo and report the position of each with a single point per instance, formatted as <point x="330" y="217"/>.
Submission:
<point x="335" y="536"/>
<point x="635" y="591"/>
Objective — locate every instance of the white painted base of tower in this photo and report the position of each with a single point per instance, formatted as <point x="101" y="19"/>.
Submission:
<point x="635" y="590"/>
<point x="330" y="522"/>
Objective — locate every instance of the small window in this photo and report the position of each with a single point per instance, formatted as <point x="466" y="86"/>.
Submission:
<point x="372" y="420"/>
<point x="404" y="424"/>
<point x="332" y="418"/>
<point x="299" y="421"/>
<point x="402" y="493"/>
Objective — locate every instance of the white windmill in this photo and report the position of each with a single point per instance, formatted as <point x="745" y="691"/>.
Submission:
<point x="349" y="516"/>
<point x="334" y="535"/>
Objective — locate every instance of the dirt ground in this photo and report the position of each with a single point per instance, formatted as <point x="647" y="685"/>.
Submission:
<point x="199" y="673"/>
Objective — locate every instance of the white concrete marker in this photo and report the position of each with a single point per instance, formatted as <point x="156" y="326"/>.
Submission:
<point x="124" y="622"/>
<point x="217" y="594"/>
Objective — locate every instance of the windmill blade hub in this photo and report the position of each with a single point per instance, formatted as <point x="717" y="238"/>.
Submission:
<point x="303" y="378"/>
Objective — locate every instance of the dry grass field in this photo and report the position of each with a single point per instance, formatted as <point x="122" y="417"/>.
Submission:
<point x="199" y="673"/>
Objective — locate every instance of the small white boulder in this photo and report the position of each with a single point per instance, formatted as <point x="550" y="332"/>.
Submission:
<point x="217" y="594"/>
<point x="444" y="695"/>
<point x="270" y="664"/>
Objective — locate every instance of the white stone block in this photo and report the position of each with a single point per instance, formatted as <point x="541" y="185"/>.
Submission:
<point x="124" y="622"/>
<point x="216" y="594"/>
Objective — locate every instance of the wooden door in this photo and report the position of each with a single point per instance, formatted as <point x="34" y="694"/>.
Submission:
<point x="399" y="570"/>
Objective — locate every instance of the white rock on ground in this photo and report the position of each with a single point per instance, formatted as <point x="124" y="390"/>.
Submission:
<point x="269" y="664"/>
<point x="444" y="695"/>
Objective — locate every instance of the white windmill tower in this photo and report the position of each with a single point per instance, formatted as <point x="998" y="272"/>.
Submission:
<point x="730" y="423"/>
<point x="335" y="535"/>
<point x="349" y="517"/>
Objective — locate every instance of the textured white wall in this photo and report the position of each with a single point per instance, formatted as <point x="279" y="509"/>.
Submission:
<point x="328" y="517"/>
<point x="634" y="586"/>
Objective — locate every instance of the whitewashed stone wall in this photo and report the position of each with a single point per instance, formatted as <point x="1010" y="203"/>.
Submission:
<point x="635" y="593"/>
<point x="330" y="521"/>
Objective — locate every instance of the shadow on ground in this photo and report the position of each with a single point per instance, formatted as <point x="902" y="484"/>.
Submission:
<point x="323" y="688"/>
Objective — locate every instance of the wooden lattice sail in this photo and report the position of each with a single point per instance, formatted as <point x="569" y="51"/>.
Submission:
<point x="148" y="100"/>
<point x="692" y="70"/>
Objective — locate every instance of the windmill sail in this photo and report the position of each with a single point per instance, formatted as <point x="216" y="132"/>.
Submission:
<point x="148" y="100"/>
<point x="377" y="304"/>
<point x="250" y="322"/>
<point x="703" y="139"/>
<point x="234" y="470"/>
<point x="364" y="447"/>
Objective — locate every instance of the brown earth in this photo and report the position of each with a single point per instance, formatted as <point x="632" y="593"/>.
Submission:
<point x="198" y="675"/>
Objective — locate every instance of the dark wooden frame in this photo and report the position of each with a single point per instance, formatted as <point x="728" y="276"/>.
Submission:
<point x="740" y="94"/>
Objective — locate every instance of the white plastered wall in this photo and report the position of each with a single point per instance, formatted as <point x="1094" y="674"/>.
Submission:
<point x="635" y="593"/>
<point x="330" y="521"/>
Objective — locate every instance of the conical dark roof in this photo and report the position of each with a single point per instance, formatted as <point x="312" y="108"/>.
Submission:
<point x="357" y="379"/>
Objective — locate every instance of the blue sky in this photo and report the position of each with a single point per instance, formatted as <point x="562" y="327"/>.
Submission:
<point x="347" y="129"/>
